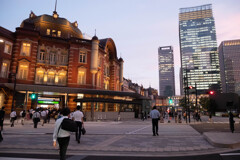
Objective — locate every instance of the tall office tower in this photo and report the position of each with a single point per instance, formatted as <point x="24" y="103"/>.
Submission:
<point x="229" y="58"/>
<point x="198" y="47"/>
<point x="166" y="71"/>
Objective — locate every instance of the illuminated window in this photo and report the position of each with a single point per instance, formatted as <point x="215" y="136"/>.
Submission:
<point x="62" y="78"/>
<point x="54" y="33"/>
<point x="59" y="33"/>
<point x="99" y="79"/>
<point x="39" y="76"/>
<point x="51" y="77"/>
<point x="48" y="32"/>
<point x="82" y="57"/>
<point x="106" y="85"/>
<point x="8" y="48"/>
<point x="26" y="48"/>
<point x="4" y="71"/>
<point x="81" y="76"/>
<point x="23" y="71"/>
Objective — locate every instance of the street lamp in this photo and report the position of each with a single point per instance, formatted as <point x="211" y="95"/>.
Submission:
<point x="14" y="88"/>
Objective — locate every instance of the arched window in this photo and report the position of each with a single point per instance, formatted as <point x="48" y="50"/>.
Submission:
<point x="39" y="75"/>
<point x="23" y="71"/>
<point x="51" y="77"/>
<point x="81" y="75"/>
<point x="62" y="78"/>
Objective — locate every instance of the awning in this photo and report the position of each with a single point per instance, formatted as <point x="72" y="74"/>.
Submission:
<point x="70" y="90"/>
<point x="105" y="100"/>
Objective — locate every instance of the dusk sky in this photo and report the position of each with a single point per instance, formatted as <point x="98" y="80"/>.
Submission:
<point x="138" y="27"/>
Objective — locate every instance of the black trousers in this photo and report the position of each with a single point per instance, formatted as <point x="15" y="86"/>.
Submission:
<point x="63" y="144"/>
<point x="78" y="133"/>
<point x="154" y="126"/>
<point x="1" y="138"/>
<point x="35" y="121"/>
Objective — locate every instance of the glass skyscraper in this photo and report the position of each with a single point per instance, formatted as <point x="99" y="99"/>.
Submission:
<point x="229" y="57"/>
<point x="166" y="71"/>
<point x="198" y="48"/>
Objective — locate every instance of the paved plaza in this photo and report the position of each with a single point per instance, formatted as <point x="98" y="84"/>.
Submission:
<point x="125" y="138"/>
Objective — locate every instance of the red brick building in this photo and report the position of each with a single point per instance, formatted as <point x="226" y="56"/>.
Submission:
<point x="49" y="57"/>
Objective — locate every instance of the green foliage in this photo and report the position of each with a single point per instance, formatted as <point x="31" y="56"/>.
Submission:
<point x="208" y="104"/>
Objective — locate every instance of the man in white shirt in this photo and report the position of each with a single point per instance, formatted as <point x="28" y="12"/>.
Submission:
<point x="155" y="115"/>
<point x="13" y="117"/>
<point x="44" y="116"/>
<point x="78" y="118"/>
<point x="60" y="135"/>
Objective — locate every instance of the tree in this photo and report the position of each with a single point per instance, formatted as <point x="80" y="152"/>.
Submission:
<point x="182" y="103"/>
<point x="208" y="104"/>
<point x="205" y="103"/>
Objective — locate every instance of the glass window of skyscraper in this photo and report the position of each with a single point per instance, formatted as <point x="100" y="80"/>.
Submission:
<point x="198" y="47"/>
<point x="229" y="52"/>
<point x="166" y="71"/>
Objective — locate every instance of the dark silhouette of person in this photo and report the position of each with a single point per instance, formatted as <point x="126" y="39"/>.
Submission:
<point x="231" y="122"/>
<point x="2" y="114"/>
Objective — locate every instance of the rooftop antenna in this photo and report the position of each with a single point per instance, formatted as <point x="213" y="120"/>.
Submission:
<point x="55" y="5"/>
<point x="95" y="32"/>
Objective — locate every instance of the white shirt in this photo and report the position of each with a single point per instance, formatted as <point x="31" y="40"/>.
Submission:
<point x="78" y="115"/>
<point x="61" y="132"/>
<point x="43" y="113"/>
<point x="13" y="114"/>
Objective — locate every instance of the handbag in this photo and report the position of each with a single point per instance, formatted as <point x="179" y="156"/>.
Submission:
<point x="69" y="125"/>
<point x="83" y="131"/>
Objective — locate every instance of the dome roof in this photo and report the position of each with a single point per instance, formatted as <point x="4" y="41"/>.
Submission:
<point x="53" y="24"/>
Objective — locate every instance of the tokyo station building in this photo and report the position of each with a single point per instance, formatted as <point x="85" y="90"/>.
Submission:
<point x="49" y="57"/>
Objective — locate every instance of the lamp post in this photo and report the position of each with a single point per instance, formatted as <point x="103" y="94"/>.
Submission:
<point x="14" y="88"/>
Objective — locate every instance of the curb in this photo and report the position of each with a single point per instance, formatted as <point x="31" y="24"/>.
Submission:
<point x="220" y="144"/>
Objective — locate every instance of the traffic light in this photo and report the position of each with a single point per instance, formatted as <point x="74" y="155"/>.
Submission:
<point x="211" y="92"/>
<point x="170" y="101"/>
<point x="190" y="87"/>
<point x="33" y="96"/>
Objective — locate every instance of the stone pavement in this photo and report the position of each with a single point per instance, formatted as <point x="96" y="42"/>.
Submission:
<point x="115" y="138"/>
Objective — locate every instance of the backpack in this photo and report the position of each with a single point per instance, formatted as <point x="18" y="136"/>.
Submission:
<point x="69" y="125"/>
<point x="23" y="114"/>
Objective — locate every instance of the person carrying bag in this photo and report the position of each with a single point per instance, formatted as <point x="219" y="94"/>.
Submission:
<point x="36" y="118"/>
<point x="61" y="133"/>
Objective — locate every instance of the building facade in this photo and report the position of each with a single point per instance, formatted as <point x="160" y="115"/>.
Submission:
<point x="198" y="47"/>
<point x="48" y="56"/>
<point x="166" y="71"/>
<point x="229" y="58"/>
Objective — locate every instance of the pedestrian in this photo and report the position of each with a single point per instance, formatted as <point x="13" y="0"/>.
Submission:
<point x="231" y="121"/>
<point x="44" y="116"/>
<point x="2" y="114"/>
<point x="31" y="111"/>
<point x="78" y="118"/>
<point x="13" y="117"/>
<point x="199" y="117"/>
<point x="36" y="118"/>
<point x="22" y="115"/>
<point x="210" y="117"/>
<point x="61" y="136"/>
<point x="155" y="115"/>
<point x="49" y="112"/>
<point x="28" y="115"/>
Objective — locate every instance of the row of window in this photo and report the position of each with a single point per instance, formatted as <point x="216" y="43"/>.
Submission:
<point x="53" y="32"/>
